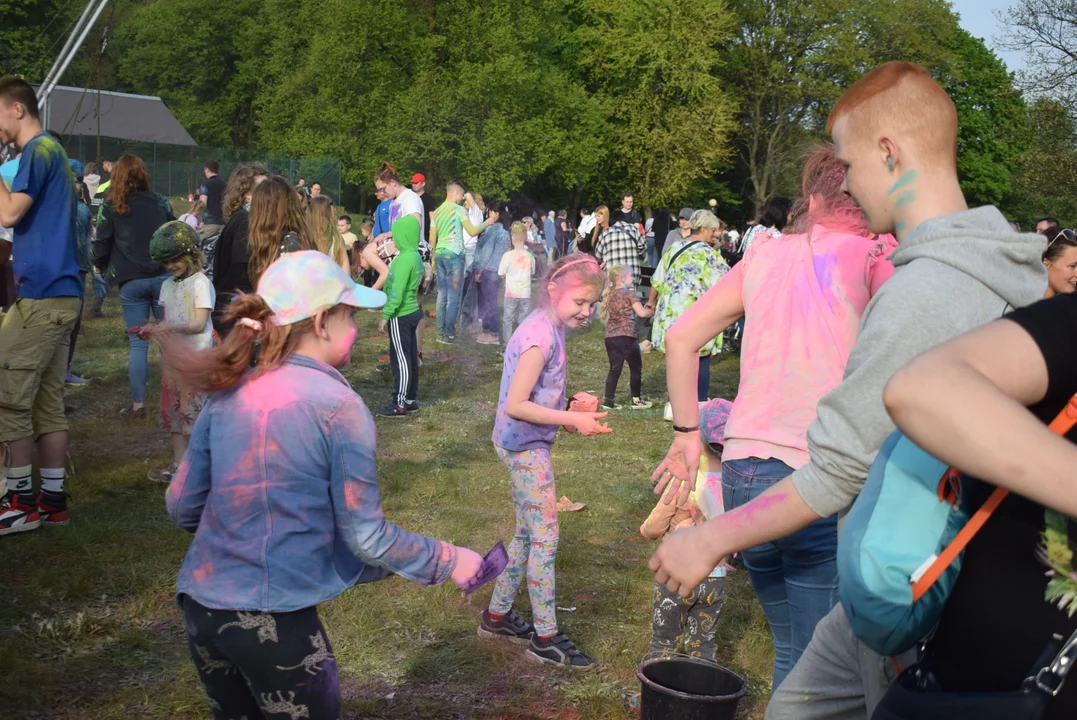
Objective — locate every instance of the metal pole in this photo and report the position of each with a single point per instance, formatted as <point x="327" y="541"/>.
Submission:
<point x="50" y="83"/>
<point x="67" y="45"/>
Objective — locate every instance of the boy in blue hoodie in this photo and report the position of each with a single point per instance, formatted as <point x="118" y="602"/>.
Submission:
<point x="401" y="316"/>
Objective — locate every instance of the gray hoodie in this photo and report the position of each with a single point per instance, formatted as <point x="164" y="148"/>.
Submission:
<point x="951" y="274"/>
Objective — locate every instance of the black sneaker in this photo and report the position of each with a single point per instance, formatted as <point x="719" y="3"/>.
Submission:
<point x="411" y="407"/>
<point x="392" y="410"/>
<point x="383" y="368"/>
<point x="511" y="627"/>
<point x="558" y="651"/>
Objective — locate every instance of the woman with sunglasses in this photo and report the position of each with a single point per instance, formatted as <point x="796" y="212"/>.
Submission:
<point x="1060" y="259"/>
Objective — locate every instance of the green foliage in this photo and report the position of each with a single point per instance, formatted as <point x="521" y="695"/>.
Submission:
<point x="563" y="100"/>
<point x="26" y="35"/>
<point x="1045" y="181"/>
<point x="668" y="118"/>
<point x="791" y="59"/>
<point x="992" y="121"/>
<point x="202" y="59"/>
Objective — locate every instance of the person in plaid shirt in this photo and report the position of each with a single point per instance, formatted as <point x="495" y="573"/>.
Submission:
<point x="621" y="244"/>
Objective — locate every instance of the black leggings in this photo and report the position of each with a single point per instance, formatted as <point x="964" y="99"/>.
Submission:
<point x="620" y="350"/>
<point x="255" y="665"/>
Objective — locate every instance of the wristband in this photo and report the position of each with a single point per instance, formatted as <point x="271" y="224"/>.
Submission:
<point x="677" y="428"/>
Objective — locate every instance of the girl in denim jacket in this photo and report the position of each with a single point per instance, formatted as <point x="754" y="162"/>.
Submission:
<point x="278" y="488"/>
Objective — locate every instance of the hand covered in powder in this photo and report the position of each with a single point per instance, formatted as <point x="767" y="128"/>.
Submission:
<point x="685" y="558"/>
<point x="678" y="471"/>
<point x="468" y="563"/>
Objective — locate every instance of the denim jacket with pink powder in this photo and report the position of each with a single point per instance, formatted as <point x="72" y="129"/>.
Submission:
<point x="279" y="489"/>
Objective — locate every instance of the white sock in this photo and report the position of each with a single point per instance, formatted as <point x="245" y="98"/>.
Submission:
<point x="19" y="480"/>
<point x="52" y="480"/>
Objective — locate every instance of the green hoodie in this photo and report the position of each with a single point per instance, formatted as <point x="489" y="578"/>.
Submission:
<point x="406" y="272"/>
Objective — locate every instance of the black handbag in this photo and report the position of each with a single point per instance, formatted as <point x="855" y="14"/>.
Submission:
<point x="916" y="694"/>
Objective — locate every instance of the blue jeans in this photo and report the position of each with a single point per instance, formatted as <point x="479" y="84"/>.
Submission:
<point x="652" y="252"/>
<point x="450" y="270"/>
<point x="795" y="577"/>
<point x="137" y="298"/>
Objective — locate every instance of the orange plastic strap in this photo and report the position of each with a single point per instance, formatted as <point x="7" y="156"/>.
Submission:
<point x="1061" y="425"/>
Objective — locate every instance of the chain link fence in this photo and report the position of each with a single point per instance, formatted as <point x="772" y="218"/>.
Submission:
<point x="176" y="170"/>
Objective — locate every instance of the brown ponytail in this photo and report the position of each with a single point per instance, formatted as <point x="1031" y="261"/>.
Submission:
<point x="223" y="366"/>
<point x="386" y="174"/>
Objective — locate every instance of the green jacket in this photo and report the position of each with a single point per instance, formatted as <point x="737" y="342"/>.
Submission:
<point x="406" y="271"/>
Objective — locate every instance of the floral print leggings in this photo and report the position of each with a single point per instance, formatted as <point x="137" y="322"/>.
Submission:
<point x="534" y="547"/>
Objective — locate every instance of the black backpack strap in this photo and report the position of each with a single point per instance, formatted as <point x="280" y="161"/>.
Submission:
<point x="678" y="253"/>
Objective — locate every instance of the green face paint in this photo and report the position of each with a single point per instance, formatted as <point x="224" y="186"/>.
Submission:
<point x="905" y="198"/>
<point x="899" y="226"/>
<point x="907" y="179"/>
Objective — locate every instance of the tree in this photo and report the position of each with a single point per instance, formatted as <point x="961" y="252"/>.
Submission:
<point x="33" y="35"/>
<point x="1046" y="32"/>
<point x="790" y="60"/>
<point x="668" y="118"/>
<point x="1045" y="180"/>
<point x="203" y="59"/>
<point x="992" y="119"/>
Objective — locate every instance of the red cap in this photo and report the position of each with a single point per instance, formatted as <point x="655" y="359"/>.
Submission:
<point x="418" y="178"/>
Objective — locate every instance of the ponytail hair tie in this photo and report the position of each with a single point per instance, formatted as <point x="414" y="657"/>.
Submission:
<point x="252" y="324"/>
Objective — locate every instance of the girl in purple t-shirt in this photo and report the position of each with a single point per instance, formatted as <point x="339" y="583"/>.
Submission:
<point x="530" y="408"/>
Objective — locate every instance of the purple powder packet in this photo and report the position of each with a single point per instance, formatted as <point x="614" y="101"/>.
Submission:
<point x="493" y="564"/>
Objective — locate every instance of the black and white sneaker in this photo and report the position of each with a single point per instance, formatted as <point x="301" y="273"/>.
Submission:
<point x="511" y="627"/>
<point x="392" y="410"/>
<point x="559" y="651"/>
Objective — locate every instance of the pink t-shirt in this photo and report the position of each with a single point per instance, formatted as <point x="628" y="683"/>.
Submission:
<point x="803" y="297"/>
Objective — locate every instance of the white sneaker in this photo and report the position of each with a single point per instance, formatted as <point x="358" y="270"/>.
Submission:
<point x="667" y="414"/>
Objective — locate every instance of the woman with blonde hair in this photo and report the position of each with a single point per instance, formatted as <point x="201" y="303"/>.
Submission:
<point x="602" y="223"/>
<point x="323" y="226"/>
<point x="131" y="214"/>
<point x="278" y="225"/>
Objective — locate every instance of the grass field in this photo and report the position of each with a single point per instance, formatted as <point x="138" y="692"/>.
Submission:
<point x="89" y="627"/>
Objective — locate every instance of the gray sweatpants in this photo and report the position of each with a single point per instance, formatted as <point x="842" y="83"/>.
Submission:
<point x="837" y="678"/>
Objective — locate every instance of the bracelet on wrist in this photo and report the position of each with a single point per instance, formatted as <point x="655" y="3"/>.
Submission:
<point x="678" y="428"/>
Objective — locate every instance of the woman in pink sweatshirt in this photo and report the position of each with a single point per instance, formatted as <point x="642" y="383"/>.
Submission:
<point x="802" y="295"/>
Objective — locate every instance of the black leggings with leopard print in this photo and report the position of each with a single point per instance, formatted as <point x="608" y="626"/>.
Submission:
<point x="255" y="664"/>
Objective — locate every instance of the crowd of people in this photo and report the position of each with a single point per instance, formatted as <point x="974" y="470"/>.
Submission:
<point x="875" y="302"/>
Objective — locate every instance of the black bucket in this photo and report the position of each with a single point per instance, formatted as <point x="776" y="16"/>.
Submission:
<point x="683" y="688"/>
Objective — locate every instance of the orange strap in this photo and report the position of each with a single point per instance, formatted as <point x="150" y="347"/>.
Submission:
<point x="1062" y="424"/>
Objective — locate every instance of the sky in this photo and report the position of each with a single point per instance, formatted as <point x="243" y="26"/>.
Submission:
<point x="978" y="17"/>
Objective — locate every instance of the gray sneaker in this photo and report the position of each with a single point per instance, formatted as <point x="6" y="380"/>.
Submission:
<point x="511" y="627"/>
<point x="559" y="651"/>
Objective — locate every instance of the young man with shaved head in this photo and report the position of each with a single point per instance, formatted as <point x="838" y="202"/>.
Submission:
<point x="895" y="131"/>
<point x="447" y="240"/>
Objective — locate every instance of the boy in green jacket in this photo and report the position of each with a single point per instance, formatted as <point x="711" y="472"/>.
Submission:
<point x="401" y="316"/>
